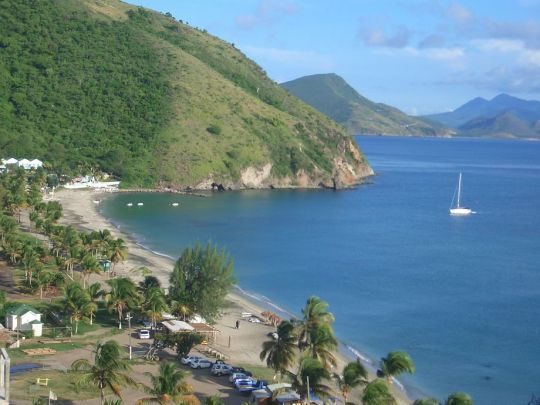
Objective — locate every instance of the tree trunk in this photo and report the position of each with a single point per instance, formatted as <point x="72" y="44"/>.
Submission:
<point x="40" y="292"/>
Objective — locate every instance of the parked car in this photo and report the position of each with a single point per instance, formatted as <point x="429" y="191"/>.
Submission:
<point x="200" y="363"/>
<point x="144" y="334"/>
<point x="220" y="369"/>
<point x="234" y="376"/>
<point x="250" y="384"/>
<point x="241" y="370"/>
<point x="188" y="359"/>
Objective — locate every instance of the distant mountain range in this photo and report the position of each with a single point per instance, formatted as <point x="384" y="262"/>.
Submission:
<point x="503" y="116"/>
<point x="334" y="97"/>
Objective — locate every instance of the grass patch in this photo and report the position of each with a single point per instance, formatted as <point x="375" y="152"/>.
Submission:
<point x="61" y="383"/>
<point x="17" y="355"/>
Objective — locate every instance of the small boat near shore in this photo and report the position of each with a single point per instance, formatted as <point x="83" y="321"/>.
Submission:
<point x="129" y="204"/>
<point x="458" y="210"/>
<point x="175" y="204"/>
<point x="140" y="204"/>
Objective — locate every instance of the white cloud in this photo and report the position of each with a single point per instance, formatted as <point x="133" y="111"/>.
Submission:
<point x="266" y="13"/>
<point x="377" y="37"/>
<point x="447" y="54"/>
<point x="525" y="56"/>
<point x="459" y="13"/>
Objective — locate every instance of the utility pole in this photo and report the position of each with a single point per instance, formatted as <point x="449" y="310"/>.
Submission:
<point x="128" y="318"/>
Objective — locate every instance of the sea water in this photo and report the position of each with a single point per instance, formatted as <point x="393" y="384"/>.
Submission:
<point x="460" y="294"/>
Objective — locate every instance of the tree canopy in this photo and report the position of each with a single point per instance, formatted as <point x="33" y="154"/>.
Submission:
<point x="201" y="279"/>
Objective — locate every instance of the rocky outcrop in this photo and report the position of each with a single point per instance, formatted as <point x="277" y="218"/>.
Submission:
<point x="350" y="169"/>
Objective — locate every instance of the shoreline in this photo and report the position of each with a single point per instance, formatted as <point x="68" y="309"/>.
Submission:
<point x="80" y="211"/>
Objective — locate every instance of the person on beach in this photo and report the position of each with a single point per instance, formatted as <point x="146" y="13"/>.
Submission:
<point x="237" y="324"/>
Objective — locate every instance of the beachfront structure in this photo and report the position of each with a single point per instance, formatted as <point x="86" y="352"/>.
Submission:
<point x="10" y="161"/>
<point x="24" y="163"/>
<point x="24" y="318"/>
<point x="176" y="326"/>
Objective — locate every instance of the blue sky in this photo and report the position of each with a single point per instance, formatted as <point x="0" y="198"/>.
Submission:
<point x="422" y="56"/>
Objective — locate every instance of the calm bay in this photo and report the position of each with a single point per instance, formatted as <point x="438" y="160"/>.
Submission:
<point x="460" y="294"/>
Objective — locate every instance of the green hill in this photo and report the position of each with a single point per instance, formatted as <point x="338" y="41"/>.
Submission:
<point x="331" y="95"/>
<point x="99" y="84"/>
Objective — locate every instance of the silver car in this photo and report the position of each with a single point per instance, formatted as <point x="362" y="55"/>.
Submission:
<point x="201" y="363"/>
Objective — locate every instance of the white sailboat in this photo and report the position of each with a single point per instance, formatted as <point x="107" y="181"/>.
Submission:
<point x="458" y="209"/>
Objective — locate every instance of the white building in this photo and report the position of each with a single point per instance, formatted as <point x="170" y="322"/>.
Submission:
<point x="36" y="163"/>
<point x="10" y="161"/>
<point x="25" y="164"/>
<point x="24" y="318"/>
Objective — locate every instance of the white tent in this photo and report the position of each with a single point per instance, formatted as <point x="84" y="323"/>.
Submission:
<point x="11" y="161"/>
<point x="36" y="163"/>
<point x="25" y="164"/>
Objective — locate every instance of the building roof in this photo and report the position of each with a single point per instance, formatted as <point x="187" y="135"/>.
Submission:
<point x="202" y="327"/>
<point x="174" y="325"/>
<point x="22" y="309"/>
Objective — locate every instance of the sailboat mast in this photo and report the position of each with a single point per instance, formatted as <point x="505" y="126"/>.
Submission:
<point x="459" y="192"/>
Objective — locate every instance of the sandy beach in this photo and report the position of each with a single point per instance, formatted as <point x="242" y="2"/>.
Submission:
<point x="241" y="346"/>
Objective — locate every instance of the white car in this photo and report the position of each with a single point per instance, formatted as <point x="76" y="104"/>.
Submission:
<point x="235" y="376"/>
<point x="188" y="359"/>
<point x="201" y="363"/>
<point x="144" y="334"/>
<point x="221" y="369"/>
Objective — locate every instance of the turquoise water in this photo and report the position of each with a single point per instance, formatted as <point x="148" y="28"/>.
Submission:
<point x="461" y="295"/>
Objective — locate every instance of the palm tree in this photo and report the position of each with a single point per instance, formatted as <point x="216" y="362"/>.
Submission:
<point x="167" y="387"/>
<point x="29" y="260"/>
<point x="148" y="282"/>
<point x="354" y="374"/>
<point x="280" y="351"/>
<point x="396" y="363"/>
<point x="179" y="309"/>
<point x="315" y="314"/>
<point x="89" y="266"/>
<point x="108" y="371"/>
<point x="459" y="398"/>
<point x="426" y="401"/>
<point x="95" y="292"/>
<point x="122" y="296"/>
<point x="311" y="373"/>
<point x="118" y="251"/>
<point x="45" y="278"/>
<point x="77" y="303"/>
<point x="322" y="342"/>
<point x="377" y="393"/>
<point x="155" y="304"/>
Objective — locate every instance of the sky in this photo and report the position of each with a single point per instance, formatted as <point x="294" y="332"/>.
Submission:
<point x="422" y="56"/>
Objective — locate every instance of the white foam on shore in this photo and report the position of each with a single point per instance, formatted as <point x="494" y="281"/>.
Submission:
<point x="259" y="298"/>
<point x="154" y="251"/>
<point x="359" y="355"/>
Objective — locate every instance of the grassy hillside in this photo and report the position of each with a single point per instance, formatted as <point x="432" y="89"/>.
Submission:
<point x="331" y="95"/>
<point x="101" y="84"/>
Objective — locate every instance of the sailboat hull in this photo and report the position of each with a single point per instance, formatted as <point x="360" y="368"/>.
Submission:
<point x="460" y="211"/>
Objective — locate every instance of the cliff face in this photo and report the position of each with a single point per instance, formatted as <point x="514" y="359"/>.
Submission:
<point x="100" y="84"/>
<point x="346" y="173"/>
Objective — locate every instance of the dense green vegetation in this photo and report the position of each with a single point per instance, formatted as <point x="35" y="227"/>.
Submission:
<point x="102" y="85"/>
<point x="78" y="91"/>
<point x="331" y="95"/>
<point x="201" y="279"/>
